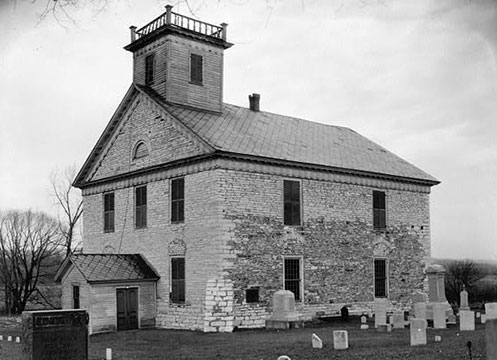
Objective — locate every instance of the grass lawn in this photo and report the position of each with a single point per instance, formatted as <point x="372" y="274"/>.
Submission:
<point x="262" y="344"/>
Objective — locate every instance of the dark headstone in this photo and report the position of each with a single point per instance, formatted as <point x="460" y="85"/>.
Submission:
<point x="55" y="335"/>
<point x="344" y="311"/>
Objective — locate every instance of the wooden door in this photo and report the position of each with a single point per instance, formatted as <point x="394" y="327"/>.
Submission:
<point x="127" y="308"/>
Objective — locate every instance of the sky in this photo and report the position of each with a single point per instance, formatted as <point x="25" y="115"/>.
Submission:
<point x="417" y="77"/>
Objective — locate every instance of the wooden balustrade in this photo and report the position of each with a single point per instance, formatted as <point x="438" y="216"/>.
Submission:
<point x="181" y="21"/>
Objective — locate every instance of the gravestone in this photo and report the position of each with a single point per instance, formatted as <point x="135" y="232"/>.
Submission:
<point x="436" y="290"/>
<point x="55" y="335"/>
<point x="380" y="312"/>
<point x="420" y="310"/>
<point x="439" y="320"/>
<point x="398" y="320"/>
<point x="436" y="284"/>
<point x="464" y="299"/>
<point x="284" y="315"/>
<point x="451" y="319"/>
<point x="317" y="343"/>
<point x="340" y="340"/>
<point x="438" y="338"/>
<point x="364" y="319"/>
<point x="466" y="320"/>
<point x="478" y="315"/>
<point x="491" y="330"/>
<point x="483" y="318"/>
<point x="418" y="331"/>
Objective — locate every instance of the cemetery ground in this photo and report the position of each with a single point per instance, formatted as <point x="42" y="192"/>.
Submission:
<point x="263" y="344"/>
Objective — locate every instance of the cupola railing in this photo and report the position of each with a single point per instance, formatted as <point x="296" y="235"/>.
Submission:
<point x="182" y="21"/>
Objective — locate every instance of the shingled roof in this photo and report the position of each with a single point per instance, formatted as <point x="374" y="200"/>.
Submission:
<point x="262" y="134"/>
<point x="97" y="268"/>
<point x="265" y="136"/>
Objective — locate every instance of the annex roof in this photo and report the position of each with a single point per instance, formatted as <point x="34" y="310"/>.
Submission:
<point x="102" y="268"/>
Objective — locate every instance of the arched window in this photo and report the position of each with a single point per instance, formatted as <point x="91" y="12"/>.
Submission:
<point x="141" y="151"/>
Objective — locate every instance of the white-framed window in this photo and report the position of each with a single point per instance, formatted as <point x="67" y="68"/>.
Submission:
<point x="293" y="275"/>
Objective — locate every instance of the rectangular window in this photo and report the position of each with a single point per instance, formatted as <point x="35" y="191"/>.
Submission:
<point x="109" y="212"/>
<point x="141" y="207"/>
<point x="291" y="200"/>
<point x="380" y="278"/>
<point x="379" y="210"/>
<point x="178" y="280"/>
<point x="75" y="296"/>
<point x="149" y="70"/>
<point x="196" y="71"/>
<point x="178" y="200"/>
<point x="293" y="280"/>
<point x="252" y="294"/>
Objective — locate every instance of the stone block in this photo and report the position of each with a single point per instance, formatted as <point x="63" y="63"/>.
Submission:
<point x="439" y="320"/>
<point x="380" y="312"/>
<point x="340" y="340"/>
<point x="466" y="320"/>
<point x="491" y="311"/>
<point x="418" y="331"/>
<point x="398" y="320"/>
<point x="420" y="310"/>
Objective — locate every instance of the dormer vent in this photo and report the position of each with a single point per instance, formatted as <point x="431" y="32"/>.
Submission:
<point x="254" y="101"/>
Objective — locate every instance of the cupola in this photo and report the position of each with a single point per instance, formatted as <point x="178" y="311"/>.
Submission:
<point x="181" y="58"/>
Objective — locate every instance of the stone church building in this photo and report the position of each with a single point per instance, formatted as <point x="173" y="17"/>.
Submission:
<point x="196" y="211"/>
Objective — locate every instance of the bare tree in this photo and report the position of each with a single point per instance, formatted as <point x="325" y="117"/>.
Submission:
<point x="459" y="273"/>
<point x="70" y="204"/>
<point x="29" y="243"/>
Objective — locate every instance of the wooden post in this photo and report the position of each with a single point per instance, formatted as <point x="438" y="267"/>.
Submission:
<point x="133" y="33"/>
<point x="168" y="14"/>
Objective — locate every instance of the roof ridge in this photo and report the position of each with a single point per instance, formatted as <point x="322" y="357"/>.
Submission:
<point x="290" y="117"/>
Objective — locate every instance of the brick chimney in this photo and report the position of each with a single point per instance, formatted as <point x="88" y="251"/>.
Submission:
<point x="254" y="101"/>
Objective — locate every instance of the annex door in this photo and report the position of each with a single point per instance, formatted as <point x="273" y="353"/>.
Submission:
<point x="127" y="308"/>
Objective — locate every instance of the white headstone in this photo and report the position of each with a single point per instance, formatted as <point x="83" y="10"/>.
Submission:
<point x="284" y="306"/>
<point x="283" y="357"/>
<point x="451" y="319"/>
<point x="340" y="339"/>
<point x="420" y="310"/>
<point x="364" y="326"/>
<point x="466" y="320"/>
<point x="108" y="354"/>
<point x="389" y="327"/>
<point x="478" y="314"/>
<point x="418" y="331"/>
<point x="1" y="337"/>
<point x="439" y="321"/>
<point x="398" y="320"/>
<point x="464" y="299"/>
<point x="380" y="312"/>
<point x="483" y="318"/>
<point x="491" y="311"/>
<point x="317" y="343"/>
<point x="438" y="338"/>
<point x="9" y="338"/>
<point x="364" y="319"/>
<point x="18" y="339"/>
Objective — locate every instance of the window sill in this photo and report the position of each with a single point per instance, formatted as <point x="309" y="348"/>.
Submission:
<point x="196" y="83"/>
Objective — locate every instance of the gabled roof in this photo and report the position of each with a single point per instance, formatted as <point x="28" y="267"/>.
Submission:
<point x="267" y="136"/>
<point x="100" y="268"/>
